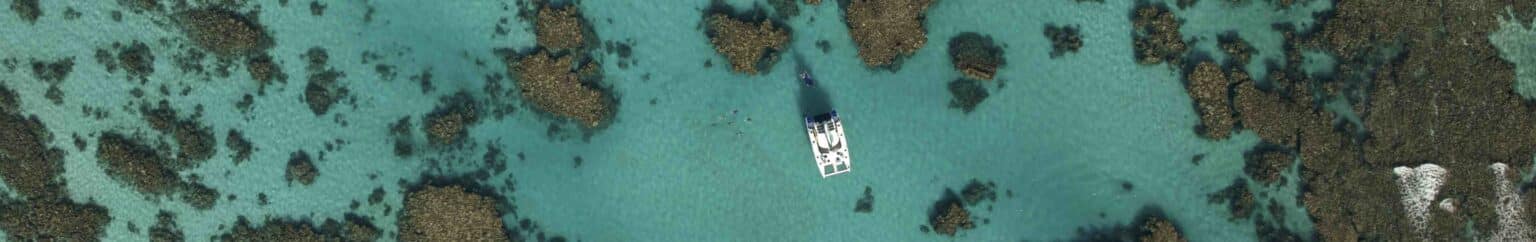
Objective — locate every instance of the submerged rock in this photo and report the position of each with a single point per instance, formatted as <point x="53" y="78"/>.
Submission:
<point x="28" y="166"/>
<point x="165" y="228"/>
<point x="784" y="9"/>
<point x="9" y="102"/>
<point x="449" y="123"/>
<point x="264" y="70"/>
<point x="548" y="77"/>
<point x="361" y="232"/>
<point x="141" y="167"/>
<point x="952" y="219"/>
<point x="1156" y="35"/>
<point x="160" y="117"/>
<point x="353" y="228"/>
<point x="140" y="5"/>
<point x="316" y="8"/>
<point x="559" y="28"/>
<point x="866" y="204"/>
<point x="1236" y="48"/>
<point x="136" y="165"/>
<point x="28" y="10"/>
<point x="272" y="230"/>
<point x="106" y="60"/>
<point x="138" y="60"/>
<point x="1265" y="163"/>
<point x="450" y="214"/>
<point x="401" y="132"/>
<point x="53" y="72"/>
<point x="1272" y="116"/>
<point x="322" y="91"/>
<point x="1064" y="39"/>
<point x="748" y="46"/>
<point x="377" y="196"/>
<point x="1208" y="88"/>
<point x="975" y="55"/>
<point x="237" y="143"/>
<point x="40" y="208"/>
<point x="199" y="196"/>
<point x="976" y="192"/>
<point x="223" y="32"/>
<point x="967" y="94"/>
<point x="553" y="86"/>
<point x="52" y="219"/>
<point x="1159" y="230"/>
<point x="301" y="169"/>
<point x="54" y="94"/>
<point x="1239" y="200"/>
<point x="886" y="29"/>
<point x="951" y="213"/>
<point x="195" y="141"/>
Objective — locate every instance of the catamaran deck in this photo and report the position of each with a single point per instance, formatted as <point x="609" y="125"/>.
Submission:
<point x="828" y="143"/>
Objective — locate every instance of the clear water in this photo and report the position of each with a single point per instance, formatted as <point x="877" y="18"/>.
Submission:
<point x="1513" y="39"/>
<point x="720" y="156"/>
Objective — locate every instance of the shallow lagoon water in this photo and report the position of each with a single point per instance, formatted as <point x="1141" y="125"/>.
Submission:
<point x="719" y="155"/>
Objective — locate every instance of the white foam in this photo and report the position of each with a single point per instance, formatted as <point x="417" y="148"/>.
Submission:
<point x="1511" y="218"/>
<point x="1419" y="186"/>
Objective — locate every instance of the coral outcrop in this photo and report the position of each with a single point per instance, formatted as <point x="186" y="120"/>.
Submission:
<point x="1064" y="39"/>
<point x="746" y="44"/>
<point x="450" y="213"/>
<point x="1208" y="87"/>
<point x="1156" y="36"/>
<point x="559" y="28"/>
<point x="1159" y="230"/>
<point x="552" y="85"/>
<point x="223" y="32"/>
<point x="449" y="123"/>
<point x="885" y="30"/>
<point x="952" y="219"/>
<point x="975" y="56"/>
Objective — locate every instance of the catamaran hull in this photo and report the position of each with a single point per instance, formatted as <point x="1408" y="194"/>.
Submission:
<point x="828" y="144"/>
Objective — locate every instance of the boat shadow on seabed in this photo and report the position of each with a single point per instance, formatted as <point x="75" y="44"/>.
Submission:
<point x="822" y="125"/>
<point x="813" y="100"/>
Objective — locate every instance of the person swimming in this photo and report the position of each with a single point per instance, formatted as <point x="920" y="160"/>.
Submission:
<point x="805" y="77"/>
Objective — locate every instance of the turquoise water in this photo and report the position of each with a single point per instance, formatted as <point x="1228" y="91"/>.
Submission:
<point x="1513" y="43"/>
<point x="720" y="155"/>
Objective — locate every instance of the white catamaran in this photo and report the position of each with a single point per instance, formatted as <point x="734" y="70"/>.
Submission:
<point x="828" y="143"/>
